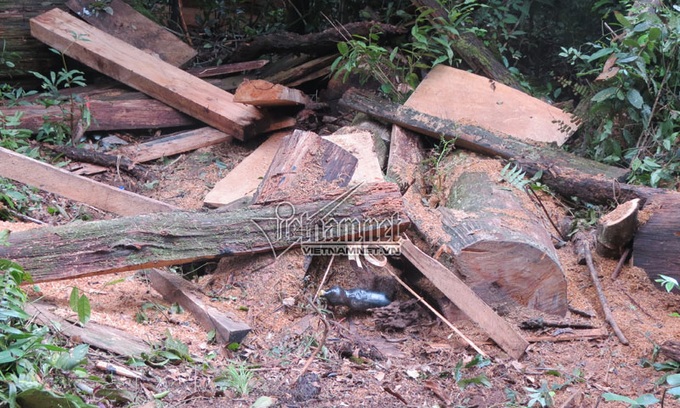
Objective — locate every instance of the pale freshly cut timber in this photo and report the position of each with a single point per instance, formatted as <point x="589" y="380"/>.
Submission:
<point x="175" y="289"/>
<point x="129" y="25"/>
<point x="49" y="178"/>
<point x="506" y="336"/>
<point x="463" y="97"/>
<point x="259" y="92"/>
<point x="177" y="237"/>
<point x="243" y="180"/>
<point x="147" y="74"/>
<point x="615" y="230"/>
<point x="359" y="144"/>
<point x="497" y="244"/>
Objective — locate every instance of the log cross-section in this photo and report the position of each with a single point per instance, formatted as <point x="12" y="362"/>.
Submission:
<point x="146" y="73"/>
<point x="155" y="240"/>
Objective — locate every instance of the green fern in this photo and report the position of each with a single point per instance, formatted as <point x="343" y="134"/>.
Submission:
<point x="515" y="176"/>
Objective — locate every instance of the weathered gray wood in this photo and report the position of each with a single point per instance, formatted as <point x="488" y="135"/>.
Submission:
<point x="129" y="25"/>
<point x="102" y="337"/>
<point x="175" y="289"/>
<point x="154" y="240"/>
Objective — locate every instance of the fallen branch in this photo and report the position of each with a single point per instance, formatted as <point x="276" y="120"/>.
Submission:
<point x="584" y="244"/>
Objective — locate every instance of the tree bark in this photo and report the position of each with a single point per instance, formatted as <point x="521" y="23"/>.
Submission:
<point x="497" y="244"/>
<point x="154" y="240"/>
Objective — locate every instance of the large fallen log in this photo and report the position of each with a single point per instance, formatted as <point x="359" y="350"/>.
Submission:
<point x="497" y="244"/>
<point x="155" y="240"/>
<point x="566" y="173"/>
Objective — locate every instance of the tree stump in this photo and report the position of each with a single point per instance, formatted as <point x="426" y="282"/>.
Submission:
<point x="499" y="246"/>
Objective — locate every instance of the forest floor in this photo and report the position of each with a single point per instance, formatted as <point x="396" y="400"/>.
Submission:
<point x="362" y="361"/>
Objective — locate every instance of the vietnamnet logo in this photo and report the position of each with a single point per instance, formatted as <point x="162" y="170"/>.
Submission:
<point x="329" y="232"/>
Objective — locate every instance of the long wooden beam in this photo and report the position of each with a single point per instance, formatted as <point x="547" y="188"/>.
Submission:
<point x="162" y="239"/>
<point x="55" y="180"/>
<point x="146" y="73"/>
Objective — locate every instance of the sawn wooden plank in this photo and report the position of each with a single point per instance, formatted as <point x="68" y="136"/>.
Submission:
<point x="147" y="73"/>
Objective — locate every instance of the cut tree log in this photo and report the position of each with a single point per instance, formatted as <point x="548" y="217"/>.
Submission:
<point x="175" y="289"/>
<point x="508" y="338"/>
<point x="127" y="24"/>
<point x="568" y="174"/>
<point x="304" y="164"/>
<point x="406" y="155"/>
<point x="497" y="244"/>
<point x="244" y="179"/>
<point x="102" y="337"/>
<point x="470" y="47"/>
<point x="616" y="229"/>
<point x="49" y="178"/>
<point x="464" y="97"/>
<point x="155" y="240"/>
<point x="259" y="92"/>
<point x="148" y="74"/>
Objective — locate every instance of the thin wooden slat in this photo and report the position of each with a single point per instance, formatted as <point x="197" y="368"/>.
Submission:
<point x="146" y="73"/>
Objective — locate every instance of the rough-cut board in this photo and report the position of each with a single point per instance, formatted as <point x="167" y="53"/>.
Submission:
<point x="49" y="178"/>
<point x="135" y="29"/>
<point x="406" y="155"/>
<point x="147" y="73"/>
<point x="206" y="72"/>
<point x="243" y="180"/>
<point x="102" y="337"/>
<point x="360" y="145"/>
<point x="259" y="92"/>
<point x="176" y="289"/>
<point x="509" y="339"/>
<point x="304" y="165"/>
<point x="463" y="97"/>
<point x="173" y="144"/>
<point x="172" y="238"/>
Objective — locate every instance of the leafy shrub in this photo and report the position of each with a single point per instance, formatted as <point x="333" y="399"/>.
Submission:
<point x="635" y="106"/>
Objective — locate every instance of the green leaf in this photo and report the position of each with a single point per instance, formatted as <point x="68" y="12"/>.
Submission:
<point x="343" y="48"/>
<point x="608" y="396"/>
<point x="673" y="380"/>
<point x="263" y="402"/>
<point x="73" y="299"/>
<point x="599" y="54"/>
<point x="605" y="94"/>
<point x="84" y="310"/>
<point x="635" y="98"/>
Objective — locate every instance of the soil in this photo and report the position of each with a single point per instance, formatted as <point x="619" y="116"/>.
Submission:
<point x="302" y="352"/>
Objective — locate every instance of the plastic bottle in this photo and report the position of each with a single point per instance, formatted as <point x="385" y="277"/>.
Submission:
<point x="355" y="299"/>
